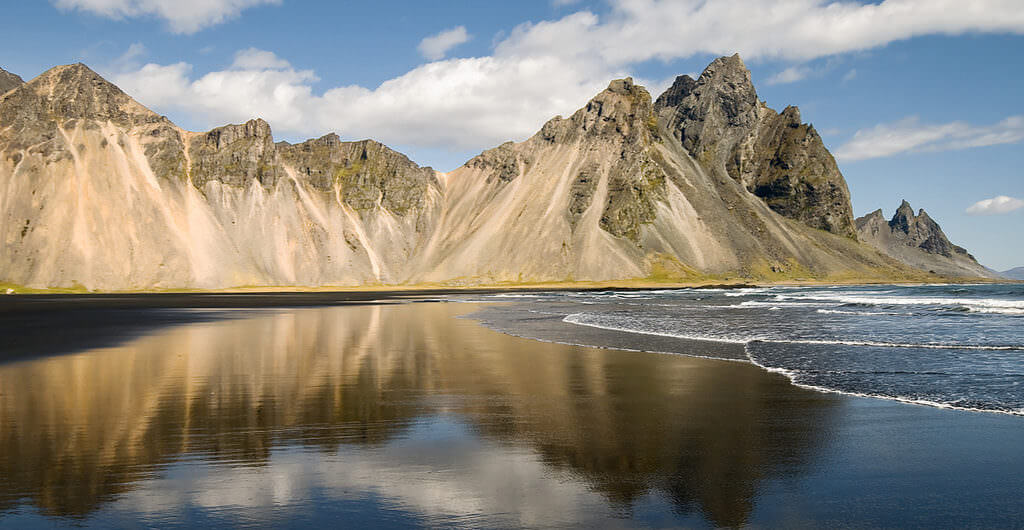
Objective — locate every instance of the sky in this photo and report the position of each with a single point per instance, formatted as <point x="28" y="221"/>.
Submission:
<point x="917" y="99"/>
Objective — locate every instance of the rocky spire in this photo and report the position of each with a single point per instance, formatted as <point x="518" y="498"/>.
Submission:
<point x="9" y="81"/>
<point x="719" y="120"/>
<point x="623" y="112"/>
<point x="903" y="219"/>
<point x="713" y="113"/>
<point x="922" y="231"/>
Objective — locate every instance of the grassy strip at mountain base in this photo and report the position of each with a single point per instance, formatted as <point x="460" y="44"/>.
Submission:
<point x="13" y="288"/>
<point x="659" y="279"/>
<point x="666" y="272"/>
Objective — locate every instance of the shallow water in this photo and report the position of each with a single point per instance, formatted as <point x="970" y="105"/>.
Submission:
<point x="957" y="346"/>
<point x="407" y="415"/>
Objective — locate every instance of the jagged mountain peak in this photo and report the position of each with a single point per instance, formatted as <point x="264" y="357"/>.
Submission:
<point x="724" y="92"/>
<point x="621" y="112"/>
<point x="719" y="120"/>
<point x="877" y="214"/>
<point x="726" y="69"/>
<point x="905" y="220"/>
<point x="623" y="109"/>
<point x="70" y="92"/>
<point x="917" y="239"/>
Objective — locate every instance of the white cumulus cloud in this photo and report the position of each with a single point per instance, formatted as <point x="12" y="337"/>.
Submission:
<point x="910" y="135"/>
<point x="551" y="67"/>
<point x="182" y="16"/>
<point x="436" y="47"/>
<point x="995" y="206"/>
<point x="456" y="104"/>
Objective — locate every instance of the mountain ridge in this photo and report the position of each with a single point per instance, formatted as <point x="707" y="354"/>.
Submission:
<point x="918" y="240"/>
<point x="700" y="182"/>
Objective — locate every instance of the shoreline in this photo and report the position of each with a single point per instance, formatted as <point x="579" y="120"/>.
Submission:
<point x="119" y="309"/>
<point x="474" y="288"/>
<point x="698" y="348"/>
<point x="259" y="297"/>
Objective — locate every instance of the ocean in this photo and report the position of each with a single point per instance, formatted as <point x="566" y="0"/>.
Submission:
<point x="951" y="346"/>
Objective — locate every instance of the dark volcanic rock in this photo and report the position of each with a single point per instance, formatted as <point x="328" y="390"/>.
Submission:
<point x="235" y="155"/>
<point x="501" y="162"/>
<point x="720" y="121"/>
<point x="367" y="173"/>
<point x="624" y="115"/>
<point x="918" y="241"/>
<point x="922" y="231"/>
<point x="796" y="176"/>
<point x="582" y="192"/>
<point x="711" y="115"/>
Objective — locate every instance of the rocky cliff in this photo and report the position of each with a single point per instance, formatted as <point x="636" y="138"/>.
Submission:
<point x="705" y="181"/>
<point x="918" y="241"/>
<point x="720" y="122"/>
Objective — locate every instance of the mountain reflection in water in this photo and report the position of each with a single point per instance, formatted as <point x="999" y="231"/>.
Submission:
<point x="401" y="413"/>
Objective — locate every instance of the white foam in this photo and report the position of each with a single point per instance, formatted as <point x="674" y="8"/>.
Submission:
<point x="577" y="319"/>
<point x="580" y="319"/>
<point x="929" y="346"/>
<point x="746" y="291"/>
<point x="793" y="375"/>
<point x="860" y="313"/>
<point x="897" y="300"/>
<point x="777" y="303"/>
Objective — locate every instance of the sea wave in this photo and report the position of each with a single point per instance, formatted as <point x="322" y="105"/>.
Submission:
<point x="861" y="313"/>
<point x="898" y="300"/>
<point x="579" y="319"/>
<point x="585" y="319"/>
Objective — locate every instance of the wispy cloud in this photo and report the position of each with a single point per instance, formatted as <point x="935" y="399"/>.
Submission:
<point x="790" y="75"/>
<point x="437" y="46"/>
<point x="910" y="135"/>
<point x="995" y="206"/>
<point x="256" y="59"/>
<point x="182" y="16"/>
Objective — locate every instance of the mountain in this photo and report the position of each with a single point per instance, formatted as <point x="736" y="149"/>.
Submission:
<point x="721" y="123"/>
<point x="9" y="81"/>
<point x="705" y="181"/>
<point x="918" y="241"/>
<point x="1016" y="273"/>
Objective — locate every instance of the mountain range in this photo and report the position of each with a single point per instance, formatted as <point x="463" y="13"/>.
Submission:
<point x="703" y="182"/>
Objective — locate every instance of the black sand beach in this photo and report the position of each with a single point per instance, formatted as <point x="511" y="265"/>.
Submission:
<point x="403" y="414"/>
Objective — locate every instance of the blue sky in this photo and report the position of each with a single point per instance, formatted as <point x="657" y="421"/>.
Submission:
<point x="919" y="99"/>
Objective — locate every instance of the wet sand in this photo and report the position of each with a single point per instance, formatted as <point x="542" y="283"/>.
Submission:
<point x="413" y="414"/>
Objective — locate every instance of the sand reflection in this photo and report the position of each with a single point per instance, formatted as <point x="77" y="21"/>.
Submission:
<point x="437" y="415"/>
